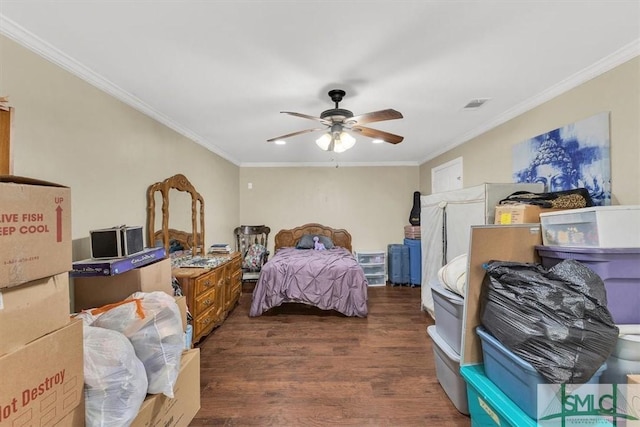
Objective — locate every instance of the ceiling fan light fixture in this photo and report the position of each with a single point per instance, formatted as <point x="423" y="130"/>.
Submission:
<point x="344" y="142"/>
<point x="339" y="120"/>
<point x="338" y="142"/>
<point x="324" y="141"/>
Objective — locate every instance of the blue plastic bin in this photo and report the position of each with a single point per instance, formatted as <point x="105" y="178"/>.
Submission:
<point x="513" y="375"/>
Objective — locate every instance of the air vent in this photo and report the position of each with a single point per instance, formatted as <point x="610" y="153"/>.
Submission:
<point x="475" y="103"/>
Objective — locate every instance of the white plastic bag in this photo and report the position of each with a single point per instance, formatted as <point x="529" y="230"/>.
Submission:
<point x="153" y="324"/>
<point x="115" y="379"/>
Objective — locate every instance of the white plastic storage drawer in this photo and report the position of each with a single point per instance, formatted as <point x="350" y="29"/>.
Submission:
<point x="379" y="280"/>
<point x="598" y="226"/>
<point x="373" y="269"/>
<point x="371" y="257"/>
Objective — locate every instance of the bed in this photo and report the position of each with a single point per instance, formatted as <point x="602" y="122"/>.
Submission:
<point x="328" y="279"/>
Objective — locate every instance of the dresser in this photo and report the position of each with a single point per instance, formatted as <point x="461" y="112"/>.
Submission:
<point x="211" y="293"/>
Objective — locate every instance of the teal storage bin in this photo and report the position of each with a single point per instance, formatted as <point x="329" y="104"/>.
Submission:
<point x="488" y="405"/>
<point x="513" y="375"/>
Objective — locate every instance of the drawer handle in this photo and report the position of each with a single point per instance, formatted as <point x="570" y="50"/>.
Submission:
<point x="206" y="321"/>
<point x="206" y="284"/>
<point x="206" y="302"/>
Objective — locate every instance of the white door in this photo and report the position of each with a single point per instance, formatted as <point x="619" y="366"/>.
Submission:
<point x="447" y="176"/>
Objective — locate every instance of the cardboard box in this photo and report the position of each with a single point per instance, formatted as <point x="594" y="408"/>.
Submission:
<point x="35" y="230"/>
<point x="95" y="267"/>
<point x="158" y="410"/>
<point x="91" y="292"/>
<point x="32" y="310"/>
<point x="520" y="214"/>
<point x="182" y="305"/>
<point x="75" y="418"/>
<point x="43" y="381"/>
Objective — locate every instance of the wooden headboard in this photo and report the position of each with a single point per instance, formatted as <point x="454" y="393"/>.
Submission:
<point x="289" y="238"/>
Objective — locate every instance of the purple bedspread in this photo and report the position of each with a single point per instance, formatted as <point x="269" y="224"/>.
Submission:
<point x="330" y="280"/>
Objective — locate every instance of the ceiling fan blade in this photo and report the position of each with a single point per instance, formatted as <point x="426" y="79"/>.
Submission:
<point x="306" y="116"/>
<point x="300" y="132"/>
<point x="378" y="134"/>
<point x="375" y="116"/>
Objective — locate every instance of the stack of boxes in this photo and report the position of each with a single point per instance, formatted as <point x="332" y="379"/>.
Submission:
<point x="607" y="240"/>
<point x="41" y="346"/>
<point x="503" y="389"/>
<point x="488" y="404"/>
<point x="41" y="355"/>
<point x="446" y="335"/>
<point x="98" y="282"/>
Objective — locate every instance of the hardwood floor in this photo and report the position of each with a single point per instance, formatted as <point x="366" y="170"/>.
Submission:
<point x="299" y="366"/>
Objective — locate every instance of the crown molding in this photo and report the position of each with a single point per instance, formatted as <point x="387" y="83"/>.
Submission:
<point x="334" y="164"/>
<point x="29" y="40"/>
<point x="607" y="63"/>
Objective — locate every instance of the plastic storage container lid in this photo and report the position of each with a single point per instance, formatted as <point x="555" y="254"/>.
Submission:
<point x="547" y="249"/>
<point x="440" y="342"/>
<point x="438" y="287"/>
<point x="591" y="209"/>
<point x="628" y="347"/>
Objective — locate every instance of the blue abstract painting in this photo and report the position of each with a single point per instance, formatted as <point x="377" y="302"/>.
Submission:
<point x="577" y="155"/>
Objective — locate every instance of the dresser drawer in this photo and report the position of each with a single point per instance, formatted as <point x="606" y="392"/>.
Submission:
<point x="235" y="264"/>
<point x="207" y="282"/>
<point x="205" y="301"/>
<point x="205" y="322"/>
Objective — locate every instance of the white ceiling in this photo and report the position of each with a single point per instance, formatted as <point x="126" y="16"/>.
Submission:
<point x="220" y="72"/>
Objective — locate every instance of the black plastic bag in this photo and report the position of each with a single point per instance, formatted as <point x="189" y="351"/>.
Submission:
<point x="555" y="319"/>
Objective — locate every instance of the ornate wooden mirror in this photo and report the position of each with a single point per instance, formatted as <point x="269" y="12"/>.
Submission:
<point x="178" y="191"/>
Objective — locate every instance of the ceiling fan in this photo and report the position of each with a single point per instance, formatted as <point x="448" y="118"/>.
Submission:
<point x="339" y="121"/>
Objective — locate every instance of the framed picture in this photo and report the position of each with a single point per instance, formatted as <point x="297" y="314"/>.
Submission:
<point x="577" y="155"/>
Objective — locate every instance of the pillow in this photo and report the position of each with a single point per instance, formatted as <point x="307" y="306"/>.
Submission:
<point x="327" y="242"/>
<point x="253" y="257"/>
<point x="306" y="241"/>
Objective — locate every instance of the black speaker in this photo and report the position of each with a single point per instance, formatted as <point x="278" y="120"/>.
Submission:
<point x="116" y="242"/>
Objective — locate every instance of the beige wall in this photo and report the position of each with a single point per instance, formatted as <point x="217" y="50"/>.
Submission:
<point x="487" y="158"/>
<point x="372" y="203"/>
<point x="69" y="132"/>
